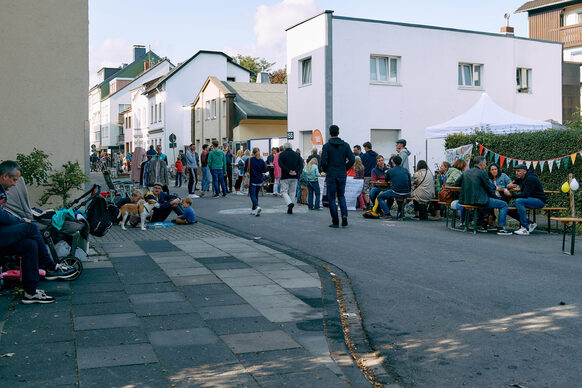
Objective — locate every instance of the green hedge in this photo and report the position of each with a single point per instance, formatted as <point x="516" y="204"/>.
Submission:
<point x="541" y="145"/>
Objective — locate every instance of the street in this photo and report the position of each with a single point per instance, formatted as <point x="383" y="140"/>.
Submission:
<point x="444" y="308"/>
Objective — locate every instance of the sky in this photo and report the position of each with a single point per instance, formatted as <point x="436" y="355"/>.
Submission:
<point x="177" y="29"/>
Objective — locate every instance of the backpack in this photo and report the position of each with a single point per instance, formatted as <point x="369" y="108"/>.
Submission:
<point x="371" y="214"/>
<point x="98" y="217"/>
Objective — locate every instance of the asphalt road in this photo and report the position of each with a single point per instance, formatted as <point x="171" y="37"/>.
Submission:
<point x="444" y="308"/>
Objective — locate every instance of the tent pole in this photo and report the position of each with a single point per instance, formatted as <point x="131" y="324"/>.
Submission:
<point x="426" y="150"/>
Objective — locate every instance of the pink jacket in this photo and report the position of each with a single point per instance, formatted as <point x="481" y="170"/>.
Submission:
<point x="277" y="171"/>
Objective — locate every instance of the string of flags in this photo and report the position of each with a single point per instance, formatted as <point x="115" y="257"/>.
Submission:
<point x="562" y="161"/>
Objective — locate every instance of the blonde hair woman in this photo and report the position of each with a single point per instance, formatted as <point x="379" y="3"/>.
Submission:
<point x="310" y="175"/>
<point x="239" y="166"/>
<point x="256" y="167"/>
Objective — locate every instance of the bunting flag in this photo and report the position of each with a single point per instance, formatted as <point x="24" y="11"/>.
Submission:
<point x="562" y="161"/>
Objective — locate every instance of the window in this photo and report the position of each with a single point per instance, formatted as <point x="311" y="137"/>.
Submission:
<point x="305" y="66"/>
<point x="155" y="113"/>
<point x="384" y="69"/>
<point x="197" y="114"/>
<point x="470" y="75"/>
<point x="207" y="110"/>
<point x="230" y="79"/>
<point x="160" y="112"/>
<point x="223" y="108"/>
<point x="523" y="78"/>
<point x="213" y="108"/>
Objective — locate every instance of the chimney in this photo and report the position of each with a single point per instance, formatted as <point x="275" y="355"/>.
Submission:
<point x="146" y="65"/>
<point x="506" y="29"/>
<point x="138" y="51"/>
<point x="263" y="78"/>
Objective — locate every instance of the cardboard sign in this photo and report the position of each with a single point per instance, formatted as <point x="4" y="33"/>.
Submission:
<point x="316" y="138"/>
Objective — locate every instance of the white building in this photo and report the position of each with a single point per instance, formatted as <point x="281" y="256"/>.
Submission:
<point x="170" y="97"/>
<point x="381" y="81"/>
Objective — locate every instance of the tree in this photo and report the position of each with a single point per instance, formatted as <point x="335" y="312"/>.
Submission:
<point x="35" y="167"/>
<point x="279" y="76"/>
<point x="69" y="177"/>
<point x="255" y="64"/>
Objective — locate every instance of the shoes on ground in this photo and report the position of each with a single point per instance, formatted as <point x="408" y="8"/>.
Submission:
<point x="532" y="226"/>
<point x="62" y="271"/>
<point x="239" y="193"/>
<point x="214" y="195"/>
<point x="290" y="208"/>
<point x="503" y="232"/>
<point x="224" y="195"/>
<point x="258" y="211"/>
<point x="344" y="221"/>
<point x="522" y="231"/>
<point x="39" y="297"/>
<point x="334" y="226"/>
<point x="253" y="212"/>
<point x="193" y="196"/>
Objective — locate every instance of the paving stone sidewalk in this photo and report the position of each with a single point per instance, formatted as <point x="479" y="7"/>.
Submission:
<point x="183" y="306"/>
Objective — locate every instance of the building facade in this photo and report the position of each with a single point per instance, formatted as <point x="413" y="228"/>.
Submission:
<point x="381" y="81"/>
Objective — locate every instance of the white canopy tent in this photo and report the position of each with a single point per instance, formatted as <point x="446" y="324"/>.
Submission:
<point x="486" y="115"/>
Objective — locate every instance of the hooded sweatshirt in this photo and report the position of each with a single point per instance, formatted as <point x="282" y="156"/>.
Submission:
<point x="337" y="158"/>
<point x="404" y="155"/>
<point x="531" y="187"/>
<point x="369" y="160"/>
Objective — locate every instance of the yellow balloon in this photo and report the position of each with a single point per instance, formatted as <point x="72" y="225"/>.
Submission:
<point x="565" y="187"/>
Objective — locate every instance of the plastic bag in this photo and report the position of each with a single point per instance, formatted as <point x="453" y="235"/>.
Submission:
<point x="62" y="248"/>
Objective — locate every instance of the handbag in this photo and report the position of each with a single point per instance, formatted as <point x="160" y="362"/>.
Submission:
<point x="446" y="196"/>
<point x="247" y="178"/>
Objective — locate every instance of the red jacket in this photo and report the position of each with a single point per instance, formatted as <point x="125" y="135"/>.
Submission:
<point x="179" y="166"/>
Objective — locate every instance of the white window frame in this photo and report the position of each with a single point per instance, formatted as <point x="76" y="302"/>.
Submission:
<point x="160" y="112"/>
<point x="198" y="114"/>
<point x="305" y="71"/>
<point x="207" y="110"/>
<point x="152" y="114"/>
<point x="474" y="71"/>
<point x="213" y="108"/>
<point x="523" y="80"/>
<point x="391" y="66"/>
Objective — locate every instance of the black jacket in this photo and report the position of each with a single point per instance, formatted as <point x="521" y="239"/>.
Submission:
<point x="475" y="189"/>
<point x="318" y="161"/>
<point x="369" y="161"/>
<point x="337" y="158"/>
<point x="290" y="160"/>
<point x="531" y="187"/>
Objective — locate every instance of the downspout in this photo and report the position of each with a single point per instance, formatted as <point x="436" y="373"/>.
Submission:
<point x="328" y="74"/>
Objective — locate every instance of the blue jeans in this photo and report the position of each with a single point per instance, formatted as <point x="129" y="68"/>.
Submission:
<point x="254" y="194"/>
<point x="313" y="188"/>
<point x="502" y="206"/>
<point x="24" y="240"/>
<point x="178" y="179"/>
<point x="336" y="187"/>
<point x="218" y="181"/>
<point x="205" y="178"/>
<point x="520" y="212"/>
<point x="386" y="195"/>
<point x="298" y="194"/>
<point x="374" y="193"/>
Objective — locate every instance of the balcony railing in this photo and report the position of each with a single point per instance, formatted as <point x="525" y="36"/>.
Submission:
<point x="571" y="36"/>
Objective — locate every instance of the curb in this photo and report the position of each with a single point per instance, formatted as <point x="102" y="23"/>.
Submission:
<point x="348" y="342"/>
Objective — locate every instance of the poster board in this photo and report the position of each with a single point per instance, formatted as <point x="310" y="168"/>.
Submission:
<point x="353" y="189"/>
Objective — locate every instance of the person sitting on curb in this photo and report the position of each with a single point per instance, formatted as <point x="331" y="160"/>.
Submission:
<point x="399" y="179"/>
<point x="167" y="203"/>
<point x="532" y="196"/>
<point x="188" y="217"/>
<point x="475" y="190"/>
<point x="19" y="236"/>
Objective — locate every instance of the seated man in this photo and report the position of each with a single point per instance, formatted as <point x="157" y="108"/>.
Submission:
<point x="475" y="190"/>
<point x="19" y="236"/>
<point x="167" y="203"/>
<point x="399" y="179"/>
<point x="378" y="178"/>
<point x="532" y="196"/>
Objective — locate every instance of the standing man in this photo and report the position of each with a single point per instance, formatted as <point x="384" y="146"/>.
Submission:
<point x="128" y="159"/>
<point x="160" y="155"/>
<point x="217" y="166"/>
<point x="357" y="151"/>
<point x="403" y="152"/>
<point x="205" y="170"/>
<point x="337" y="158"/>
<point x="369" y="161"/>
<point x="291" y="165"/>
<point x="229" y="156"/>
<point x="532" y="196"/>
<point x="192" y="166"/>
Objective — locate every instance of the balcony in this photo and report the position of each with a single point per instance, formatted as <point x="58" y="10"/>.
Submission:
<point x="571" y="36"/>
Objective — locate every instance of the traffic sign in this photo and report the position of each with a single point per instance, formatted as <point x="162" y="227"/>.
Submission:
<point x="172" y="145"/>
<point x="290" y="135"/>
<point x="172" y="138"/>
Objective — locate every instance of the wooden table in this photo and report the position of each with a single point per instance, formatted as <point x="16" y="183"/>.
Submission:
<point x="569" y="225"/>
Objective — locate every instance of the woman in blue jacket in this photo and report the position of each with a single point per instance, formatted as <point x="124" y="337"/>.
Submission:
<point x="256" y="168"/>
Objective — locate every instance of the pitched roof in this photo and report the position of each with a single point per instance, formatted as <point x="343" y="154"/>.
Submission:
<point x="162" y="60"/>
<point x="132" y="70"/>
<point x="259" y="101"/>
<point x="536" y="4"/>
<point x="183" y="64"/>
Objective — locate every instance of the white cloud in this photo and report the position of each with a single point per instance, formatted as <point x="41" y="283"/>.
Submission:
<point x="110" y="53"/>
<point x="270" y="24"/>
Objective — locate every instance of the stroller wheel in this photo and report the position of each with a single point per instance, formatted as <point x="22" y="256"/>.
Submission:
<point x="74" y="263"/>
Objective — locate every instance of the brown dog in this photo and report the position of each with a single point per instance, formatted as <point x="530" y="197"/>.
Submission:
<point x="141" y="209"/>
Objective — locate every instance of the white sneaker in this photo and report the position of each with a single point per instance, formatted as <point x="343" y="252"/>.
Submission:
<point x="532" y="227"/>
<point x="40" y="297"/>
<point x="253" y="212"/>
<point x="239" y="193"/>
<point x="522" y="231"/>
<point x="258" y="211"/>
<point x="193" y="196"/>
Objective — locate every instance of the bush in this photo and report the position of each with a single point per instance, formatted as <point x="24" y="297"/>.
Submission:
<point x="35" y="167"/>
<point x="540" y="145"/>
<point x="71" y="176"/>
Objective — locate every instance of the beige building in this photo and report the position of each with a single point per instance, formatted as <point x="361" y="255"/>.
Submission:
<point x="238" y="112"/>
<point x="44" y="79"/>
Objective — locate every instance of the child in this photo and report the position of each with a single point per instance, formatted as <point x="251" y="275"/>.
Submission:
<point x="179" y="171"/>
<point x="188" y="217"/>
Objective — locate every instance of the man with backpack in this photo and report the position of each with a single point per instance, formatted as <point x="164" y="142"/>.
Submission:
<point x="20" y="237"/>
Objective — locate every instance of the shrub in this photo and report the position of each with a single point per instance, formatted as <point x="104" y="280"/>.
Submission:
<point x="540" y="145"/>
<point x="69" y="177"/>
<point x="35" y="167"/>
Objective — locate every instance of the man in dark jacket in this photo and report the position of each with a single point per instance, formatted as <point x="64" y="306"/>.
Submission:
<point x="532" y="196"/>
<point x="369" y="161"/>
<point x="314" y="155"/>
<point x="337" y="158"/>
<point x="291" y="165"/>
<point x="475" y="190"/>
<point x="167" y="203"/>
<point x="399" y="179"/>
